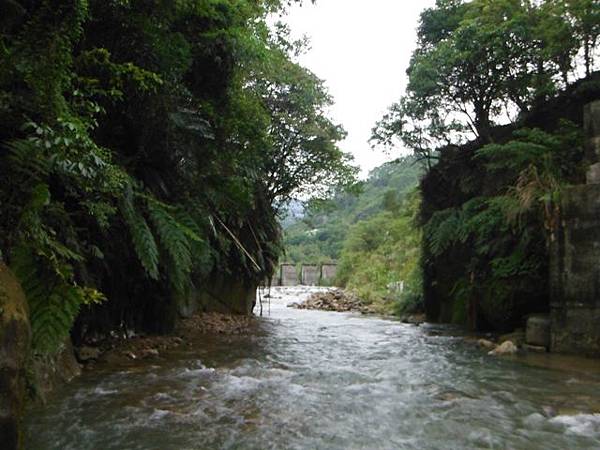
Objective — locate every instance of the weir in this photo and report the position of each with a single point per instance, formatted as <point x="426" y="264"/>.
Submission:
<point x="306" y="275"/>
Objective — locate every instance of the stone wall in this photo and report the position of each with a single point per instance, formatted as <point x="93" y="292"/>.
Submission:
<point x="575" y="257"/>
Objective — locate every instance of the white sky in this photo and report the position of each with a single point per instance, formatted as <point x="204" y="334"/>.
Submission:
<point x="362" y="50"/>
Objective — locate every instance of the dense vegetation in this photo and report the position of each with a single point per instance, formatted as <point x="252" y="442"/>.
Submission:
<point x="145" y="146"/>
<point x="315" y="231"/>
<point x="370" y="232"/>
<point x="494" y="105"/>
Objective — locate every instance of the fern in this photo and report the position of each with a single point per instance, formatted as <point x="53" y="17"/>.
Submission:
<point x="142" y="238"/>
<point x="174" y="239"/>
<point x="28" y="160"/>
<point x="54" y="302"/>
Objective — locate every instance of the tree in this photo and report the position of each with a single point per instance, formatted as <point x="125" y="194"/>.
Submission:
<point x="485" y="62"/>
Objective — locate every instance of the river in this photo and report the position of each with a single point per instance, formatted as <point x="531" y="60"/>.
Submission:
<point x="321" y="380"/>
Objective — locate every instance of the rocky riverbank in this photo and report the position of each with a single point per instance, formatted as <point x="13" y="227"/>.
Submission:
<point x="119" y="350"/>
<point x="336" y="300"/>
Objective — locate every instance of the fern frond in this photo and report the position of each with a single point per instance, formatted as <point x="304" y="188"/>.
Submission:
<point x="143" y="240"/>
<point x="174" y="240"/>
<point x="28" y="160"/>
<point x="54" y="302"/>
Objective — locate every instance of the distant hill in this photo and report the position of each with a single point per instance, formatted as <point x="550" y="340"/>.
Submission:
<point x="317" y="234"/>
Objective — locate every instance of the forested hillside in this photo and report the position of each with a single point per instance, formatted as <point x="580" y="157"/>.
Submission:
<point x="317" y="233"/>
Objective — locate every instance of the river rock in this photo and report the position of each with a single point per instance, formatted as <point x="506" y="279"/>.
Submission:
<point x="486" y="344"/>
<point x="15" y="338"/>
<point x="517" y="337"/>
<point x="534" y="348"/>
<point x="149" y="353"/>
<point x="333" y="300"/>
<point x="86" y="354"/>
<point x="414" y="319"/>
<point x="506" y="348"/>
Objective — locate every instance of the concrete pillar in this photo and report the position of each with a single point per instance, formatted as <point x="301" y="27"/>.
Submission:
<point x="289" y="276"/>
<point x="310" y="275"/>
<point x="328" y="274"/>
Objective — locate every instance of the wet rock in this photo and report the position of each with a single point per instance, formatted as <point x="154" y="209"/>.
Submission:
<point x="86" y="354"/>
<point x="414" y="319"/>
<point x="549" y="412"/>
<point x="506" y="348"/>
<point x="517" y="337"/>
<point x="534" y="348"/>
<point x="149" y="353"/>
<point x="486" y="344"/>
<point x="51" y="371"/>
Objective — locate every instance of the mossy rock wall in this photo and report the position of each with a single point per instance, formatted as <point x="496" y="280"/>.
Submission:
<point x="459" y="177"/>
<point x="222" y="293"/>
<point x="15" y="339"/>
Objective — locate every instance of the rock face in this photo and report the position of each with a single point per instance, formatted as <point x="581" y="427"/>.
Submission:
<point x="51" y="371"/>
<point x="15" y="336"/>
<point x="575" y="256"/>
<point x="221" y="293"/>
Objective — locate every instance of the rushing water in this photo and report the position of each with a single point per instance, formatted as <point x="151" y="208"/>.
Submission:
<point x="319" y="380"/>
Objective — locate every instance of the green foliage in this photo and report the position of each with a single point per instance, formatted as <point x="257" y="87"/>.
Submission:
<point x="320" y="235"/>
<point x="487" y="62"/>
<point x="542" y="164"/>
<point x="380" y="259"/>
<point x="175" y="240"/>
<point x="141" y="236"/>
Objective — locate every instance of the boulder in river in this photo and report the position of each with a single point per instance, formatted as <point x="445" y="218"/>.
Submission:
<point x="486" y="344"/>
<point x="86" y="354"/>
<point x="506" y="348"/>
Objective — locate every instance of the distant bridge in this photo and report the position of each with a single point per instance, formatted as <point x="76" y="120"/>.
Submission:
<point x="306" y="275"/>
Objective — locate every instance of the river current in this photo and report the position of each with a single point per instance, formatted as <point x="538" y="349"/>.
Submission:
<point x="321" y="380"/>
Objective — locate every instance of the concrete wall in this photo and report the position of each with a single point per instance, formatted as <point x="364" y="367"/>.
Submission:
<point x="311" y="276"/>
<point x="575" y="257"/>
<point x="289" y="276"/>
<point x="328" y="273"/>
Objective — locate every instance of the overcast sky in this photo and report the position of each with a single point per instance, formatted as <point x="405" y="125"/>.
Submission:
<point x="361" y="49"/>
